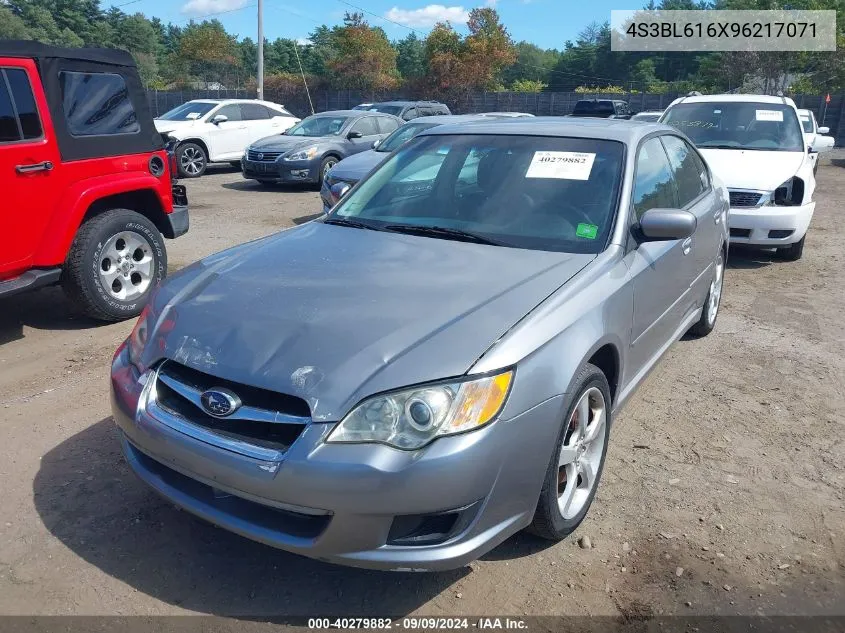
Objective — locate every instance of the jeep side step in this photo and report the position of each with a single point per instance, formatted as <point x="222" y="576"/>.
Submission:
<point x="29" y="280"/>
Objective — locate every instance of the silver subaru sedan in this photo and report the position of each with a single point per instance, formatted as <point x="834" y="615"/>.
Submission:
<point x="435" y="364"/>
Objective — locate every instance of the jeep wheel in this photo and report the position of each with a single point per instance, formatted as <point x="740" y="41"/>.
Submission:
<point x="116" y="259"/>
<point x="192" y="160"/>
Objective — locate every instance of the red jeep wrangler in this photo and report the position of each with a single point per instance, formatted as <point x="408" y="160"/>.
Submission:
<point x="87" y="185"/>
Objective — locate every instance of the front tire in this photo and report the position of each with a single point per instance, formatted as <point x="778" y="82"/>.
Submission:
<point x="191" y="159"/>
<point x="325" y="166"/>
<point x="115" y="261"/>
<point x="576" y="465"/>
<point x="712" y="301"/>
<point x="793" y="252"/>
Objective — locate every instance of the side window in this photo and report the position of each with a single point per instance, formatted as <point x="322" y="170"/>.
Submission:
<point x="653" y="186"/>
<point x="254" y="112"/>
<point x="387" y="125"/>
<point x="686" y="169"/>
<point x="279" y="112"/>
<point x="97" y="104"/>
<point x="366" y="126"/>
<point x="24" y="103"/>
<point x="9" y="130"/>
<point x="232" y="112"/>
<point x="410" y="113"/>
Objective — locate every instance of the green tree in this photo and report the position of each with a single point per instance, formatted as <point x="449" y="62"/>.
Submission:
<point x="12" y="27"/>
<point x="532" y="62"/>
<point x="410" y="56"/>
<point x="528" y="85"/>
<point x="362" y="57"/>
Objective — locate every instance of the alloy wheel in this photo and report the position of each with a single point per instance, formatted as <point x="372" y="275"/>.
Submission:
<point x="126" y="266"/>
<point x="192" y="161"/>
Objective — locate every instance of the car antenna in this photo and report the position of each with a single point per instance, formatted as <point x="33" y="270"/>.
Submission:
<point x="299" y="61"/>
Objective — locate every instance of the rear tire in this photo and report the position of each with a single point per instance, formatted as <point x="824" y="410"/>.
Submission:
<point x="191" y="159"/>
<point x="115" y="261"/>
<point x="550" y="522"/>
<point x="793" y="252"/>
<point x="712" y="301"/>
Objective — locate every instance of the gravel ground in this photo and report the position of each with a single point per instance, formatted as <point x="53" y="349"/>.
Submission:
<point x="722" y="494"/>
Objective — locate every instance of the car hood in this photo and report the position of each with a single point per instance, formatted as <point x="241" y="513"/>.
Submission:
<point x="165" y="127"/>
<point x="282" y="143"/>
<point x="752" y="169"/>
<point x="355" y="167"/>
<point x="333" y="314"/>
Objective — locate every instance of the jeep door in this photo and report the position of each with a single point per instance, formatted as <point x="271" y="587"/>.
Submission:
<point x="29" y="164"/>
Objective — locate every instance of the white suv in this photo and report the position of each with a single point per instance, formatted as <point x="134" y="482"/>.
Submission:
<point x="755" y="145"/>
<point x="815" y="136"/>
<point x="219" y="130"/>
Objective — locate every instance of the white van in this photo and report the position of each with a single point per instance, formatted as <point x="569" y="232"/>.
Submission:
<point x="755" y="145"/>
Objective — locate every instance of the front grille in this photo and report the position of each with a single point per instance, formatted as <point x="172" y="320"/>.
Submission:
<point x="745" y="198"/>
<point x="267" y="419"/>
<point x="263" y="157"/>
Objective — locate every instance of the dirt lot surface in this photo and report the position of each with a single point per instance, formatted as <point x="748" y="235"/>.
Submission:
<point x="723" y="490"/>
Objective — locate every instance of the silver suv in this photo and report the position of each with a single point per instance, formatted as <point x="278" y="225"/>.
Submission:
<point x="436" y="363"/>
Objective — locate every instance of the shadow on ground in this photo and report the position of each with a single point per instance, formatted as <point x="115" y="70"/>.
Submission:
<point x="744" y="257"/>
<point x="88" y="498"/>
<point x="43" y="309"/>
<point x="259" y="187"/>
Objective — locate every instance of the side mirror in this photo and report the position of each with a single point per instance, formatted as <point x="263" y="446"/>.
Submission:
<point x="824" y="130"/>
<point x="376" y="143"/>
<point x="667" y="224"/>
<point x="354" y="134"/>
<point x="338" y="190"/>
<point x="217" y="119"/>
<point x="810" y="149"/>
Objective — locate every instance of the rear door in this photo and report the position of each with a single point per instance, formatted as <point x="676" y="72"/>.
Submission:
<point x="257" y="120"/>
<point x="660" y="270"/>
<point x="30" y="170"/>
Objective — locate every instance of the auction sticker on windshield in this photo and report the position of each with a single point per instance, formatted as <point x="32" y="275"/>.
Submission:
<point x="588" y="231"/>
<point x="769" y="115"/>
<point x="561" y="165"/>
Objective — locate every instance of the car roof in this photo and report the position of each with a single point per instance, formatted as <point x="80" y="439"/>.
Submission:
<point x="726" y="98"/>
<point x="37" y="50"/>
<point x="628" y="132"/>
<point x="352" y="113"/>
<point x="403" y="103"/>
<point x="804" y="112"/>
<point x="449" y="118"/>
<point x="261" y="101"/>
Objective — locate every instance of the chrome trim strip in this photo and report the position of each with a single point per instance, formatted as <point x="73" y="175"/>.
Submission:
<point x="245" y="412"/>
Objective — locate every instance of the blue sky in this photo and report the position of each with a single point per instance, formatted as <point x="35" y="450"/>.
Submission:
<point x="547" y="23"/>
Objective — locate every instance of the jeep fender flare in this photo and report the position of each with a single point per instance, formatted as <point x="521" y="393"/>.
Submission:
<point x="79" y="198"/>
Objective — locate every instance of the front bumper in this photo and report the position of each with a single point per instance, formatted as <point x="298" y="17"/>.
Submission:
<point x="281" y="170"/>
<point x="178" y="220"/>
<point x="339" y="503"/>
<point x="769" y="226"/>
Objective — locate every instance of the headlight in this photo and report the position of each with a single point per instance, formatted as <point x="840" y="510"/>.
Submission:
<point x="411" y="418"/>
<point x="138" y="339"/>
<point x="789" y="194"/>
<point x="303" y="154"/>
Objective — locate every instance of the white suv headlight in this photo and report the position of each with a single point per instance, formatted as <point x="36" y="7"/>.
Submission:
<point x="411" y="418"/>
<point x="303" y="154"/>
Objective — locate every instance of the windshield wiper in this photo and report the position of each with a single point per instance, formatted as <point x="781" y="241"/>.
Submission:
<point x="355" y="224"/>
<point x="443" y="232"/>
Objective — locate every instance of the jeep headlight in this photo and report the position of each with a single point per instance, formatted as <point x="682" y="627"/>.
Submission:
<point x="303" y="154"/>
<point x="411" y="418"/>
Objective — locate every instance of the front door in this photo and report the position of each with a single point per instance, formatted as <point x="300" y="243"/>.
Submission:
<point x="368" y="128"/>
<point x="229" y="139"/>
<point x="29" y="165"/>
<point x="659" y="269"/>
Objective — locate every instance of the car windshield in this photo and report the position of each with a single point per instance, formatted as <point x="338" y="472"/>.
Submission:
<point x="807" y="124"/>
<point x="188" y="111"/>
<point x="402" y="135"/>
<point x="738" y="125"/>
<point x="386" y="109"/>
<point x="532" y="192"/>
<point x="318" y="126"/>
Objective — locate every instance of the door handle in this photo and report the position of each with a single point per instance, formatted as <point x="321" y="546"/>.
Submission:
<point x="28" y="169"/>
<point x="687" y="245"/>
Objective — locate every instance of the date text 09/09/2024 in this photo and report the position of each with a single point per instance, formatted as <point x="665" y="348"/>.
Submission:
<point x="721" y="29"/>
<point x="421" y="623"/>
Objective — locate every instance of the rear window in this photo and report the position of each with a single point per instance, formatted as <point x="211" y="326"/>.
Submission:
<point x="594" y="107"/>
<point x="97" y="104"/>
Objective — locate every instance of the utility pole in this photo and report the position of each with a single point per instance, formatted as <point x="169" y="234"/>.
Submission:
<point x="260" y="49"/>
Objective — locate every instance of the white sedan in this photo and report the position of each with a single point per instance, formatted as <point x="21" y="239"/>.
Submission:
<point x="220" y="130"/>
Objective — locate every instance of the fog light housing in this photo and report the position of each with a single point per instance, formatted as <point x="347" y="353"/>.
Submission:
<point x="299" y="173"/>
